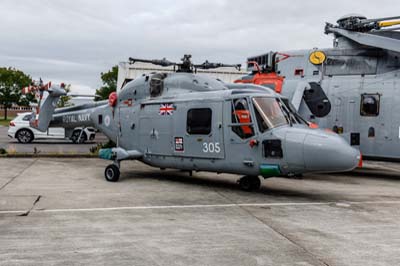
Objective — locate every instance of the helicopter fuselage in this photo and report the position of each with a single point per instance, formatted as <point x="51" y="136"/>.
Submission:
<point x="197" y="123"/>
<point x="216" y="127"/>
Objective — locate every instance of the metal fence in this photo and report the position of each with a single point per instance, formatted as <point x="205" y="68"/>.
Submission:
<point x="13" y="111"/>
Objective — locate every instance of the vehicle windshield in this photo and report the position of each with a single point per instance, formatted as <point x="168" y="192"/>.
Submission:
<point x="269" y="113"/>
<point x="27" y="117"/>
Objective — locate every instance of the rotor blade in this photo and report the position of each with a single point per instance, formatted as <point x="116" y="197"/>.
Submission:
<point x="81" y="95"/>
<point x="379" y="19"/>
<point x="208" y="65"/>
<point x="388" y="23"/>
<point x="134" y="60"/>
<point x="164" y="62"/>
<point x="368" y="39"/>
<point x="389" y="29"/>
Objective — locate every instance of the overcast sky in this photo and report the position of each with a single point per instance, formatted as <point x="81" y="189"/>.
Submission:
<point x="73" y="41"/>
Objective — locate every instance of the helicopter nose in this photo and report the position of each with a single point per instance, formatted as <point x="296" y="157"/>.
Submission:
<point x="329" y="153"/>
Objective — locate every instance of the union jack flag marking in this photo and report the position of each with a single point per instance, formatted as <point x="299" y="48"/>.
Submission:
<point x="166" y="109"/>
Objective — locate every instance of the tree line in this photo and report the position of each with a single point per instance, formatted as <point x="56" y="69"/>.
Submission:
<point x="11" y="83"/>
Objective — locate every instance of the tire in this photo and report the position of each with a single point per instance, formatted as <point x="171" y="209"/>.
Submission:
<point x="249" y="183"/>
<point x="111" y="173"/>
<point x="255" y="183"/>
<point x="75" y="137"/>
<point x="24" y="136"/>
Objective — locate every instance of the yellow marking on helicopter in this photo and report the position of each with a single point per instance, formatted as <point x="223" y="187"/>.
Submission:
<point x="317" y="57"/>
<point x="388" y="23"/>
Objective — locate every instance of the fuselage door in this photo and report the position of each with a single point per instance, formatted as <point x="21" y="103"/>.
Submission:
<point x="240" y="133"/>
<point x="198" y="130"/>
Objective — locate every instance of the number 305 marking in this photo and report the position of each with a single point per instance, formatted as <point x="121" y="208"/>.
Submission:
<point x="211" y="147"/>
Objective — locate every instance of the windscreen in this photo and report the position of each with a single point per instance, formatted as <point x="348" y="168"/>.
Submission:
<point x="292" y="113"/>
<point x="269" y="113"/>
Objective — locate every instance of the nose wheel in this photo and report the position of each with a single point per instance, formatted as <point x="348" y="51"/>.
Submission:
<point x="111" y="173"/>
<point x="249" y="183"/>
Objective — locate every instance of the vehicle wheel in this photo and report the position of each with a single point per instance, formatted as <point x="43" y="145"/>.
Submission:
<point x="24" y="136"/>
<point x="249" y="183"/>
<point x="75" y="137"/>
<point x="112" y="173"/>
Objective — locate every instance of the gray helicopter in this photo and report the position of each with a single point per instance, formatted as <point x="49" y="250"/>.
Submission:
<point x="352" y="88"/>
<point x="192" y="122"/>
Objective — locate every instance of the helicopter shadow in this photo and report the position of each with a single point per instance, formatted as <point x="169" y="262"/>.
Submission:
<point x="230" y="185"/>
<point x="375" y="174"/>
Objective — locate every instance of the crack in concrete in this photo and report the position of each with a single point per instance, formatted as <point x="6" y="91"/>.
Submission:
<point x="31" y="208"/>
<point x="17" y="175"/>
<point x="285" y="236"/>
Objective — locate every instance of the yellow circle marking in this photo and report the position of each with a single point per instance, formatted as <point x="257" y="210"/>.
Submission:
<point x="317" y="57"/>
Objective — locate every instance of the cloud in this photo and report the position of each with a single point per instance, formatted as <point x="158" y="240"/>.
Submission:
<point x="75" y="41"/>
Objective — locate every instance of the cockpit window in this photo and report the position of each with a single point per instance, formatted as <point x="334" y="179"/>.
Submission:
<point x="241" y="117"/>
<point x="269" y="113"/>
<point x="157" y="84"/>
<point x="292" y="113"/>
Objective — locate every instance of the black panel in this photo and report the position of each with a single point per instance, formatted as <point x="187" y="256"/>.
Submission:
<point x="273" y="148"/>
<point x="354" y="139"/>
<point x="199" y="121"/>
<point x="100" y="119"/>
<point x="371" y="132"/>
<point x="316" y="100"/>
<point x="370" y="104"/>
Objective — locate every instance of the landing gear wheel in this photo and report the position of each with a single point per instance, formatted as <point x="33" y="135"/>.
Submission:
<point x="249" y="183"/>
<point x="75" y="137"/>
<point x="112" y="173"/>
<point x="24" y="136"/>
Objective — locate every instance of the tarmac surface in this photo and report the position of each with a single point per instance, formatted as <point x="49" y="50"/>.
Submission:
<point x="63" y="212"/>
<point x="52" y="146"/>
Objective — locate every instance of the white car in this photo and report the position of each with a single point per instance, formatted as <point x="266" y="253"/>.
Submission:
<point x="20" y="129"/>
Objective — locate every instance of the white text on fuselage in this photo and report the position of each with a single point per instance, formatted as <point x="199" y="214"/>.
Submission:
<point x="76" y="118"/>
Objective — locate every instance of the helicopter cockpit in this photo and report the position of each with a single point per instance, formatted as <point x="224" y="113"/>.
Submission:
<point x="269" y="113"/>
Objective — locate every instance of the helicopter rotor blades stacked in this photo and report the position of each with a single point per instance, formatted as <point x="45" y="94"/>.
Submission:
<point x="367" y="31"/>
<point x="359" y="23"/>
<point x="185" y="66"/>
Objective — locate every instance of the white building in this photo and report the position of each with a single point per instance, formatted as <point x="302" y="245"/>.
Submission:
<point x="128" y="72"/>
